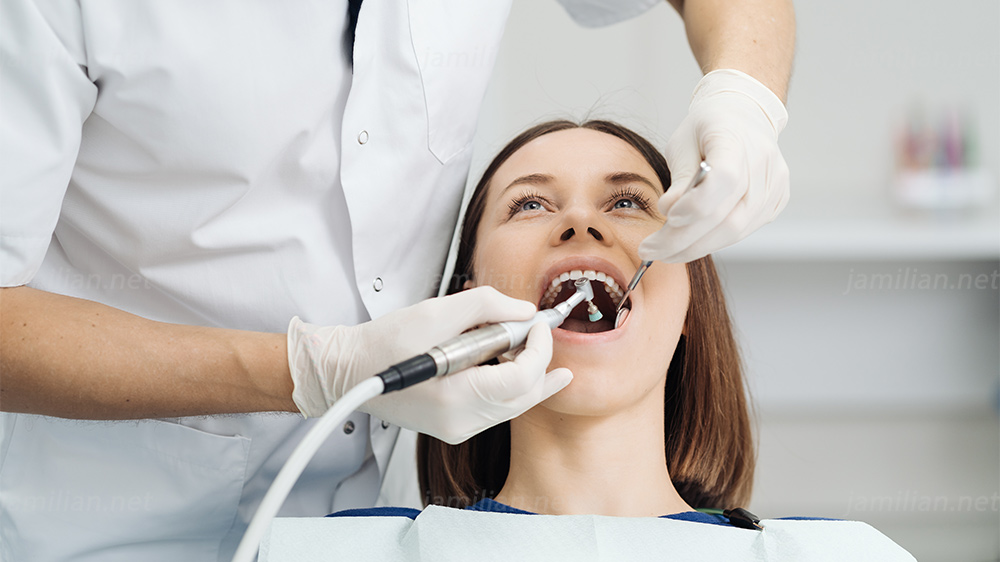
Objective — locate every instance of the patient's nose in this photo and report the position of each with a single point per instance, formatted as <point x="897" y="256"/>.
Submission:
<point x="587" y="224"/>
<point x="570" y="232"/>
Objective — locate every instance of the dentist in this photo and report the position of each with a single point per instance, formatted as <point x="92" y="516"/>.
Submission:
<point x="216" y="217"/>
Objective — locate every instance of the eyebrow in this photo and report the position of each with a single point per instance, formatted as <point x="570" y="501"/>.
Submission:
<point x="616" y="178"/>
<point x="628" y="177"/>
<point x="530" y="178"/>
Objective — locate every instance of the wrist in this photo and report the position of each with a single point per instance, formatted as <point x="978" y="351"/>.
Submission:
<point x="263" y="358"/>
<point x="319" y="362"/>
<point x="731" y="81"/>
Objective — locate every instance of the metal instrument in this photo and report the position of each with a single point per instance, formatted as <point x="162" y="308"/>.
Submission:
<point x="703" y="170"/>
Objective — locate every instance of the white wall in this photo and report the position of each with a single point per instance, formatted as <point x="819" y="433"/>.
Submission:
<point x="860" y="67"/>
<point x="879" y="403"/>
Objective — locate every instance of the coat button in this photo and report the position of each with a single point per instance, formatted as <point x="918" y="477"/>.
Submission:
<point x="377" y="284"/>
<point x="349" y="427"/>
<point x="362" y="137"/>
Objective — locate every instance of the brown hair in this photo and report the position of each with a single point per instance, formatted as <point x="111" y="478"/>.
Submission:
<point x="707" y="436"/>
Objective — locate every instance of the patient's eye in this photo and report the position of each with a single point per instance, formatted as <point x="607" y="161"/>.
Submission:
<point x="526" y="203"/>
<point x="629" y="198"/>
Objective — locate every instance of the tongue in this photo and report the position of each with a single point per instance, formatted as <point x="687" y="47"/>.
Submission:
<point x="586" y="326"/>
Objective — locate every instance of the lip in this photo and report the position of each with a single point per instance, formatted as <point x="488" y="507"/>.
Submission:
<point x="582" y="263"/>
<point x="577" y="338"/>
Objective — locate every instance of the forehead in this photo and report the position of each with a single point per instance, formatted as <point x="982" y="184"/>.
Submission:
<point x="574" y="154"/>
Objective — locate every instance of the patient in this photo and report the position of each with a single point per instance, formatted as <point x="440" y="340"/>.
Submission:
<point x="655" y="421"/>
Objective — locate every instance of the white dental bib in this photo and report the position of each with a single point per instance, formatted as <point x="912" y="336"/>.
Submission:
<point x="443" y="534"/>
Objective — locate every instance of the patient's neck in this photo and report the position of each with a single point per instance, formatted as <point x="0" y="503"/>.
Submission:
<point x="616" y="465"/>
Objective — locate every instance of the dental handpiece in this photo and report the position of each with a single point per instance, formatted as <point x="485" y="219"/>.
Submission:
<point x="480" y="345"/>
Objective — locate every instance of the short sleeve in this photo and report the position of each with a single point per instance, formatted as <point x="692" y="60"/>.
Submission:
<point x="45" y="96"/>
<point x="599" y="13"/>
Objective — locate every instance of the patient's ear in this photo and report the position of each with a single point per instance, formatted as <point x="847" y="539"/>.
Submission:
<point x="468" y="284"/>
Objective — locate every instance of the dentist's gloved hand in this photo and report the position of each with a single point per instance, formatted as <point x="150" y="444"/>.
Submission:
<point x="326" y="362"/>
<point x="733" y="123"/>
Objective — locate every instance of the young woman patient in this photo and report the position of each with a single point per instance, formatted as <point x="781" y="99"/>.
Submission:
<point x="655" y="421"/>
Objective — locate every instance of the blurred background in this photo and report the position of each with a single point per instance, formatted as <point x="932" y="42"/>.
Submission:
<point x="868" y="313"/>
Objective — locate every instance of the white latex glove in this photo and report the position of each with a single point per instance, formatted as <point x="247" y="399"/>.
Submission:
<point x="327" y="361"/>
<point x="733" y="124"/>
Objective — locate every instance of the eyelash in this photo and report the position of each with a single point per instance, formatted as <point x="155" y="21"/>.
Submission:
<point x="514" y="206"/>
<point x="641" y="201"/>
<point x="631" y="193"/>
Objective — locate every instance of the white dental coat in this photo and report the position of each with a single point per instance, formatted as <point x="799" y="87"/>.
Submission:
<point x="217" y="163"/>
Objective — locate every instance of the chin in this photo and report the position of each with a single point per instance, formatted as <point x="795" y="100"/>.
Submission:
<point x="602" y="387"/>
<point x="593" y="392"/>
<point x="570" y="403"/>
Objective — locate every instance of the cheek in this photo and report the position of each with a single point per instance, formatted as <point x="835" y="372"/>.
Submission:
<point x="667" y="288"/>
<point x="500" y="262"/>
<point x="630" y="233"/>
<point x="664" y="308"/>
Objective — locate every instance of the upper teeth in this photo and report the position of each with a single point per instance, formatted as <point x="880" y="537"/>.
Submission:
<point x="612" y="288"/>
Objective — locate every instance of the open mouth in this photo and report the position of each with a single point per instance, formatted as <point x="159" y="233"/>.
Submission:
<point x="607" y="294"/>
